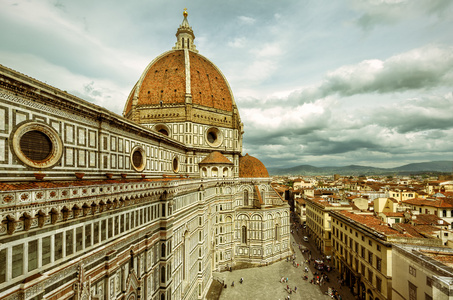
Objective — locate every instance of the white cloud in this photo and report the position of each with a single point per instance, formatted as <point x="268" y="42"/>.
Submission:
<point x="238" y="42"/>
<point x="374" y="12"/>
<point x="246" y="20"/>
<point x="423" y="68"/>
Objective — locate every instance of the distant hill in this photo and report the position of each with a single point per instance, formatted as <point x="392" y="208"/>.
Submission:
<point x="355" y="170"/>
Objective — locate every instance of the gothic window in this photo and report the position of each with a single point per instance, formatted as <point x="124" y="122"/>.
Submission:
<point x="244" y="235"/>
<point x="162" y="253"/>
<point x="246" y="197"/>
<point x="162" y="274"/>
<point x="277" y="235"/>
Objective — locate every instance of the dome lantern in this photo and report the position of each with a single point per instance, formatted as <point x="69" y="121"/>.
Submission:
<point x="185" y="36"/>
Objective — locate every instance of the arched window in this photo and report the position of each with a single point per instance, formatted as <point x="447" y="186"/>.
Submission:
<point x="277" y="235"/>
<point x="246" y="197"/>
<point x="215" y="172"/>
<point x="204" y="172"/>
<point x="244" y="235"/>
<point x="263" y="195"/>
<point x="182" y="42"/>
<point x="444" y="213"/>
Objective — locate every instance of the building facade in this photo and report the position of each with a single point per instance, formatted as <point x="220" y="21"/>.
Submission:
<point x="362" y="251"/>
<point x="319" y="222"/>
<point x="94" y="205"/>
<point x="422" y="273"/>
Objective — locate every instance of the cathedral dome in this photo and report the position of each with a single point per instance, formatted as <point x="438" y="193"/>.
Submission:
<point x="171" y="77"/>
<point x="180" y="77"/>
<point x="250" y="166"/>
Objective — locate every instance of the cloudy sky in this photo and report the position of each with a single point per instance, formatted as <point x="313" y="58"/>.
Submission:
<point x="317" y="82"/>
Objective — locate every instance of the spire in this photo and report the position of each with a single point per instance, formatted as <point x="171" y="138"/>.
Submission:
<point x="184" y="35"/>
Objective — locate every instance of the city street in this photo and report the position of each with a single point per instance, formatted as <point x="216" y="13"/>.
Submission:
<point x="297" y="237"/>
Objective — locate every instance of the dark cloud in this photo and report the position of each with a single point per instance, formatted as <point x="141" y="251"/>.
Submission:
<point x="424" y="68"/>
<point x="373" y="13"/>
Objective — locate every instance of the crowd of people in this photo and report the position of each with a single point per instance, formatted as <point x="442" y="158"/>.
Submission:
<point x="320" y="278"/>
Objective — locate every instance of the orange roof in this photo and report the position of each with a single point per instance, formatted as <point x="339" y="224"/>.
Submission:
<point x="394" y="214"/>
<point x="439" y="203"/>
<point x="407" y="229"/>
<point x="429" y="220"/>
<point x="251" y="167"/>
<point x="372" y="222"/>
<point x="19" y="186"/>
<point x="165" y="80"/>
<point x="445" y="258"/>
<point x="215" y="158"/>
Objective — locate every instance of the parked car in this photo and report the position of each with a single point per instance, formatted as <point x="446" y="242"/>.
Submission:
<point x="305" y="238"/>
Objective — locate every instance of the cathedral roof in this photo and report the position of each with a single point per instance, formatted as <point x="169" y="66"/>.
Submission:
<point x="181" y="76"/>
<point x="250" y="166"/>
<point x="215" y="158"/>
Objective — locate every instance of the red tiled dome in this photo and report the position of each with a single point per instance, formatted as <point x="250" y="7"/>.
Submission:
<point x="165" y="80"/>
<point x="250" y="166"/>
<point x="215" y="157"/>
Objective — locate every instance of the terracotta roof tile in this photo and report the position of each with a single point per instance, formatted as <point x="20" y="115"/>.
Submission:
<point x="16" y="186"/>
<point x="251" y="167"/>
<point x="372" y="222"/>
<point x="215" y="158"/>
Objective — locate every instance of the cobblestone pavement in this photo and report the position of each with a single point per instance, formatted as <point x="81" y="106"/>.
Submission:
<point x="263" y="283"/>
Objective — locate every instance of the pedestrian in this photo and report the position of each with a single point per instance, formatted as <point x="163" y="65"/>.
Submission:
<point x="241" y="280"/>
<point x="295" y="289"/>
<point x="232" y="284"/>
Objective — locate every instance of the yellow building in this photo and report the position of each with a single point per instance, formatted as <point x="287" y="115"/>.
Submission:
<point x="319" y="223"/>
<point x="362" y="252"/>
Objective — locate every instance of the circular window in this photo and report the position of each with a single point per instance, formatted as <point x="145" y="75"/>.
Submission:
<point x="138" y="156"/>
<point x="37" y="145"/>
<point x="214" y="137"/>
<point x="175" y="165"/>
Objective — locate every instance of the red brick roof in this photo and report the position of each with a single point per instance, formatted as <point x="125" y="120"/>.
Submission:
<point x="18" y="186"/>
<point x="439" y="203"/>
<point x="428" y="219"/>
<point x="443" y="257"/>
<point x="215" y="158"/>
<point x="372" y="222"/>
<point x="250" y="166"/>
<point x="394" y="214"/>
<point x="165" y="80"/>
<point x="407" y="229"/>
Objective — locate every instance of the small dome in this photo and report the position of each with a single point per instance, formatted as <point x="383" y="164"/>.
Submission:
<point x="215" y="158"/>
<point x="250" y="166"/>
